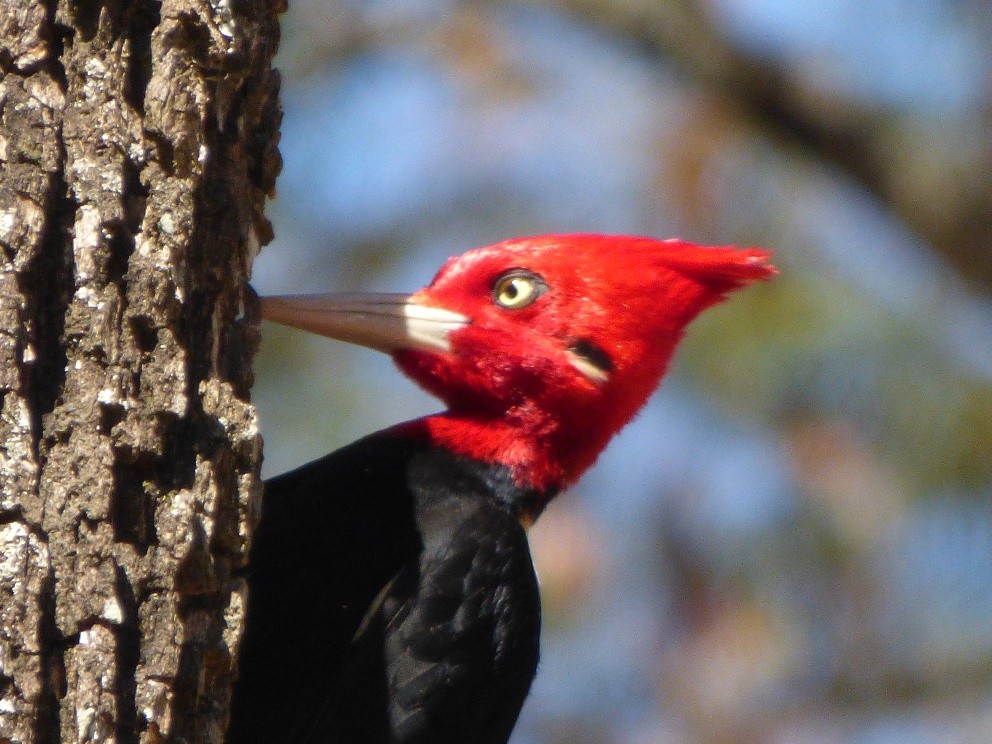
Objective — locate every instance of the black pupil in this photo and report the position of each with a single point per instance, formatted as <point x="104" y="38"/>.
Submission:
<point x="511" y="290"/>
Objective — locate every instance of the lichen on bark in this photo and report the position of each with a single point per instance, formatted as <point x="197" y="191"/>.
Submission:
<point x="137" y="147"/>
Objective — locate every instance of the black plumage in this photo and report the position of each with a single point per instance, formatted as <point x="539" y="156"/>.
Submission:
<point x="392" y="599"/>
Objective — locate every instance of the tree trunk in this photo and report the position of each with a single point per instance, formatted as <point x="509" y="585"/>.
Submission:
<point x="137" y="145"/>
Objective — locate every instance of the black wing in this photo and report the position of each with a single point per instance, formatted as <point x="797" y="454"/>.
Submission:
<point x="333" y="533"/>
<point x="447" y="653"/>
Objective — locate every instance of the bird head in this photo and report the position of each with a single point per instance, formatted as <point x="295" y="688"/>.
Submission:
<point x="542" y="347"/>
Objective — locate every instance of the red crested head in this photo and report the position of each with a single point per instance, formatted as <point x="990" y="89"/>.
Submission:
<point x="568" y="336"/>
<point x="543" y="347"/>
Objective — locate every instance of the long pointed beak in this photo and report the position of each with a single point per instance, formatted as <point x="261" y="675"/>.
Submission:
<point x="386" y="322"/>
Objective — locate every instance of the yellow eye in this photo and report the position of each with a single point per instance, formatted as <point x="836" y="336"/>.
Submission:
<point x="518" y="289"/>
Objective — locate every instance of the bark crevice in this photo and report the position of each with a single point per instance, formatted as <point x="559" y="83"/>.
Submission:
<point x="48" y="279"/>
<point x="52" y="682"/>
<point x="144" y="17"/>
<point x="132" y="508"/>
<point x="128" y="656"/>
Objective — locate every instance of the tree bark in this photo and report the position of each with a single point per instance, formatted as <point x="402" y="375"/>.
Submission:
<point x="137" y="146"/>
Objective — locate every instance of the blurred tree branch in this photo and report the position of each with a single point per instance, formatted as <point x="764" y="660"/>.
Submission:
<point x="925" y="176"/>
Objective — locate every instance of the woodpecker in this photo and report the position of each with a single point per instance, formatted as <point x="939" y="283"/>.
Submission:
<point x="392" y="597"/>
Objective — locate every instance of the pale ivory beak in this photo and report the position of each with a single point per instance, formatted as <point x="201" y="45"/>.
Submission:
<point x="385" y="322"/>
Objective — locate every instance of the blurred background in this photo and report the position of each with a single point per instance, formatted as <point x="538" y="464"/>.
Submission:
<point x="793" y="541"/>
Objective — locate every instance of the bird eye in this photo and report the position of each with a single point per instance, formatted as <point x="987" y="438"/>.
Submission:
<point x="518" y="289"/>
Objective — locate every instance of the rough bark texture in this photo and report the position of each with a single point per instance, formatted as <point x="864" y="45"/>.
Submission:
<point x="137" y="145"/>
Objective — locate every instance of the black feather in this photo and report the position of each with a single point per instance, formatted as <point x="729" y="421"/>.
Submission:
<point x="392" y="601"/>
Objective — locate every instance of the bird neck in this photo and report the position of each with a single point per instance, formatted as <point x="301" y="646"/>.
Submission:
<point x="542" y="453"/>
